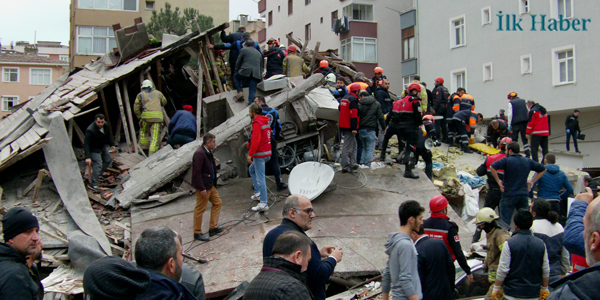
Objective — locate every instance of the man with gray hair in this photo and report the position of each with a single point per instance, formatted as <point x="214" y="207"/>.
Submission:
<point x="582" y="229"/>
<point x="158" y="250"/>
<point x="298" y="214"/>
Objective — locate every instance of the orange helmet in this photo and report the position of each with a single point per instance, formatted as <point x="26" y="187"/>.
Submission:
<point x="440" y="80"/>
<point x="378" y="70"/>
<point x="428" y="117"/>
<point x="505" y="141"/>
<point x="414" y="86"/>
<point x="292" y="48"/>
<point x="324" y="64"/>
<point x="354" y="87"/>
<point x="512" y="94"/>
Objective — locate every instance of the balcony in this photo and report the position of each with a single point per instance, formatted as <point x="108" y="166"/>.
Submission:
<point x="262" y="6"/>
<point x="262" y="35"/>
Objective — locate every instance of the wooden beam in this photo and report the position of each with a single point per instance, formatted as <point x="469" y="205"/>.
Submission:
<point x="123" y="119"/>
<point x="80" y="134"/>
<point x="118" y="131"/>
<point x="70" y="130"/>
<point x="106" y="113"/>
<point x="199" y="101"/>
<point x="213" y="65"/>
<point x="129" y="115"/>
<point x="206" y="74"/>
<point x="87" y="112"/>
<point x="303" y="49"/>
<point x="312" y="61"/>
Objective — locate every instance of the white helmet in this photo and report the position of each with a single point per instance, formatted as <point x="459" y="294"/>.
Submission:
<point x="330" y="78"/>
<point x="147" y="84"/>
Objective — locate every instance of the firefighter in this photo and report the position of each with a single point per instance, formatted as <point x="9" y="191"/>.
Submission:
<point x="464" y="122"/>
<point x="438" y="108"/>
<point x="464" y="101"/>
<point x="453" y="132"/>
<point x="324" y="68"/>
<point x="497" y="131"/>
<point x="293" y="65"/>
<point x="148" y="108"/>
<point x="493" y="196"/>
<point x="224" y="70"/>
<point x="487" y="220"/>
<point x="404" y="123"/>
<point x="377" y="77"/>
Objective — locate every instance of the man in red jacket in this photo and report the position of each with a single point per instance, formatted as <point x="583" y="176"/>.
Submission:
<point x="349" y="127"/>
<point x="204" y="179"/>
<point x="538" y="129"/>
<point x="259" y="154"/>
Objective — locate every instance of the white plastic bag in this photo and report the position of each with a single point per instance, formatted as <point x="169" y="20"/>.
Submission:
<point x="471" y="202"/>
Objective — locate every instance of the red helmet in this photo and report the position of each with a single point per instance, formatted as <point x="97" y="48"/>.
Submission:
<point x="505" y="141"/>
<point x="414" y="86"/>
<point x="324" y="64"/>
<point x="428" y="117"/>
<point x="512" y="94"/>
<point x="378" y="70"/>
<point x="292" y="48"/>
<point x="440" y="80"/>
<point x="355" y="87"/>
<point x="438" y="203"/>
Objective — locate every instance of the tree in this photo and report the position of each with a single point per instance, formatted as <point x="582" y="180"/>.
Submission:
<point x="172" y="22"/>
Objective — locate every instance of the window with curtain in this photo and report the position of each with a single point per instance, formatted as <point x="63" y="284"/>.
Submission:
<point x="95" y="40"/>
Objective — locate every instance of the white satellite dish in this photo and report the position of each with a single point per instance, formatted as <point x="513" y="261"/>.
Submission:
<point x="310" y="179"/>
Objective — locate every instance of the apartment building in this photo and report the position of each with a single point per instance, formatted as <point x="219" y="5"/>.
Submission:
<point x="255" y="27"/>
<point x="91" y="22"/>
<point x="24" y="76"/>
<point x="543" y="50"/>
<point x="373" y="35"/>
<point x="47" y="49"/>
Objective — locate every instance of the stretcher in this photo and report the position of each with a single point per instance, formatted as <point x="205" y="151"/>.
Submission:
<point x="484" y="148"/>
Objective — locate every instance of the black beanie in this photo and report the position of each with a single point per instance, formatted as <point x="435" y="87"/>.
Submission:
<point x="112" y="277"/>
<point x="16" y="221"/>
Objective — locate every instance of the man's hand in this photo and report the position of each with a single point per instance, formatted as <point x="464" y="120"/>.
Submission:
<point x="588" y="196"/>
<point x="354" y="132"/>
<point x="337" y="253"/>
<point x="527" y="136"/>
<point x="496" y="292"/>
<point x="249" y="159"/>
<point x="209" y="46"/>
<point x="501" y="185"/>
<point x="203" y="193"/>
<point x="509" y="128"/>
<point x="88" y="161"/>
<point x="469" y="279"/>
<point x="326" y="251"/>
<point x="113" y="148"/>
<point x="529" y="186"/>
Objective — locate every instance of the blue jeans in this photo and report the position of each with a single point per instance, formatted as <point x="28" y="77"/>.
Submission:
<point x="257" y="172"/>
<point x="250" y="82"/>
<point x="509" y="204"/>
<point x="368" y="139"/>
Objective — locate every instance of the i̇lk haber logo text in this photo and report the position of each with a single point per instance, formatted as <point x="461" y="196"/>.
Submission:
<point x="510" y="22"/>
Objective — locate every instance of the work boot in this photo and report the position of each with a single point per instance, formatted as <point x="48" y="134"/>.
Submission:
<point x="215" y="231"/>
<point x="201" y="237"/>
<point x="346" y="170"/>
<point x="467" y="150"/>
<point x="409" y="174"/>
<point x="355" y="167"/>
<point x="282" y="187"/>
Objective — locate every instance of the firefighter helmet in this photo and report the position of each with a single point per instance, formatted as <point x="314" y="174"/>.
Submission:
<point x="438" y="203"/>
<point x="378" y="70"/>
<point x="505" y="141"/>
<point x="292" y="48"/>
<point x="512" y="94"/>
<point x="440" y="80"/>
<point x="324" y="64"/>
<point x="354" y="87"/>
<point x="414" y="86"/>
<point x="486" y="215"/>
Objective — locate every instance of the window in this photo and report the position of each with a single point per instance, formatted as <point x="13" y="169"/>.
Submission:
<point x="486" y="15"/>
<point x="457" y="32"/>
<point x="524" y="7"/>
<point x="307" y="32"/>
<point x="563" y="65"/>
<point x="359" y="12"/>
<point x="95" y="40"/>
<point x="459" y="78"/>
<point x="321" y="20"/>
<point x="334" y="16"/>
<point x="270" y="18"/>
<point x="306" y="2"/>
<point x="359" y="49"/>
<point x="40" y="76"/>
<point x="290" y="7"/>
<point x="10" y="74"/>
<point x="488" y="74"/>
<point x="44" y="55"/>
<point x="150" y="5"/>
<point x="279" y="8"/>
<point x="565" y="8"/>
<point x="407" y="80"/>
<point x="130" y="5"/>
<point x="9" y="101"/>
<point x="526" y="66"/>
<point x="63" y="58"/>
<point x="408" y="43"/>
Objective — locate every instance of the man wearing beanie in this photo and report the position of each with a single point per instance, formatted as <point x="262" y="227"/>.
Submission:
<point x="114" y="278"/>
<point x="17" y="281"/>
<point x="182" y="127"/>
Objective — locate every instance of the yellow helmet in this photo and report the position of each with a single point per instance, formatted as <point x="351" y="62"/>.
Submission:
<point x="486" y="215"/>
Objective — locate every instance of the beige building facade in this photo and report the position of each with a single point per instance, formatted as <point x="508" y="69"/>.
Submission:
<point x="91" y="22"/>
<point x="255" y="27"/>
<point x="24" y="76"/>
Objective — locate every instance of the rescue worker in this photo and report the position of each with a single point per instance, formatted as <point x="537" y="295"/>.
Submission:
<point x="422" y="151"/>
<point x="487" y="220"/>
<point x="293" y="65"/>
<point x="465" y="102"/>
<point x="438" y="108"/>
<point x="224" y="69"/>
<point x="377" y="77"/>
<point x="422" y="95"/>
<point x="348" y="124"/>
<point x="464" y="122"/>
<point x="148" y="107"/>
<point x="274" y="58"/>
<point x="517" y="120"/>
<point x="453" y="136"/>
<point x="493" y="195"/>
<point x="429" y="97"/>
<point x="324" y="68"/>
<point x="439" y="226"/>
<point x="538" y="129"/>
<point x="496" y="131"/>
<point x="273" y="116"/>
<point x="385" y="100"/>
<point x="404" y="122"/>
<point x="572" y="129"/>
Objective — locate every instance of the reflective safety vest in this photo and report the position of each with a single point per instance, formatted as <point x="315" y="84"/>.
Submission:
<point x="403" y="111"/>
<point x="148" y="106"/>
<point x="466" y="102"/>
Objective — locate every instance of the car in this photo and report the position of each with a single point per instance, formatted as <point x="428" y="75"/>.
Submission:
<point x="480" y="285"/>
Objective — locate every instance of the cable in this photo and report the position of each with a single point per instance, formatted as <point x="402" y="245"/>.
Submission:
<point x="356" y="187"/>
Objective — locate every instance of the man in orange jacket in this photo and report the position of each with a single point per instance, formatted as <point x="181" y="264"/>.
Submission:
<point x="259" y="154"/>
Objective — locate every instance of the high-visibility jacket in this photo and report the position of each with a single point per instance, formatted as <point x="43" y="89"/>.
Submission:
<point x="260" y="143"/>
<point x="538" y="121"/>
<point x="349" y="112"/>
<point x="294" y="66"/>
<point x="422" y="96"/>
<point x="148" y="106"/>
<point x="439" y="226"/>
<point x="466" y="102"/>
<point x="406" y="112"/>
<point x="469" y="118"/>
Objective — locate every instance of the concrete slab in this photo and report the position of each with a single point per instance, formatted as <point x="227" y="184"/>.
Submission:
<point x="355" y="217"/>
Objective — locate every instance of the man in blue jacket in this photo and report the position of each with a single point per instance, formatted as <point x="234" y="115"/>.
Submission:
<point x="298" y="214"/>
<point x="515" y="187"/>
<point x="550" y="185"/>
<point x="182" y="128"/>
<point x="436" y="267"/>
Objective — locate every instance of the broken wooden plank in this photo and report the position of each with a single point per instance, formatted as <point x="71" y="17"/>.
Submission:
<point x="84" y="112"/>
<point x="130" y="116"/>
<point x="312" y="62"/>
<point x="80" y="134"/>
<point x="96" y="198"/>
<point x="199" y="103"/>
<point x="106" y="113"/>
<point x="123" y="119"/>
<point x="213" y="65"/>
<point x="41" y="131"/>
<point x="16" y="156"/>
<point x="206" y="75"/>
<point x="89" y="98"/>
<point x="118" y="131"/>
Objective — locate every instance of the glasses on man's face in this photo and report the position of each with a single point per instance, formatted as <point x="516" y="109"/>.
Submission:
<point x="308" y="211"/>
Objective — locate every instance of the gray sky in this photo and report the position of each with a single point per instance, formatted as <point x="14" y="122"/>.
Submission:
<point x="19" y="19"/>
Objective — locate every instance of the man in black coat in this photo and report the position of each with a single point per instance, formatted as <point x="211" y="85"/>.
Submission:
<point x="274" y="59"/>
<point x="281" y="275"/>
<point x="248" y="70"/>
<point x="572" y="129"/>
<point x="21" y="240"/>
<point x="204" y="180"/>
<point x="436" y="268"/>
<point x="97" y="156"/>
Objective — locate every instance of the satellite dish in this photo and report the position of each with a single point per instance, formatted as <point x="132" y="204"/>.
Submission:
<point x="310" y="179"/>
